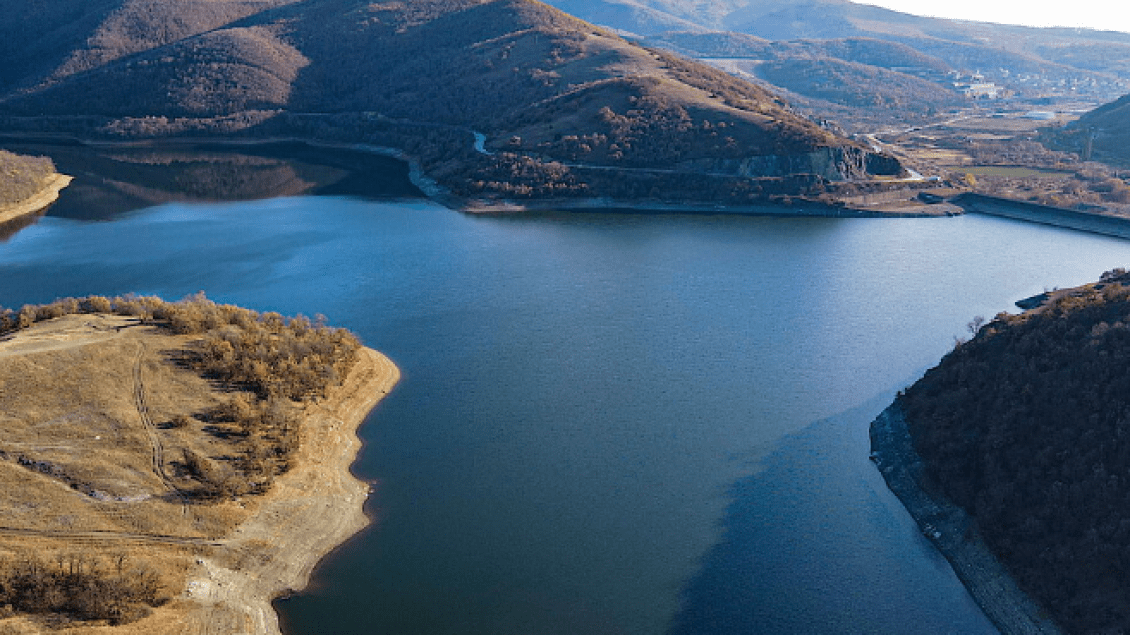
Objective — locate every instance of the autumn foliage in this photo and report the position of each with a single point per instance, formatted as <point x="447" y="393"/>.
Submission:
<point x="79" y="585"/>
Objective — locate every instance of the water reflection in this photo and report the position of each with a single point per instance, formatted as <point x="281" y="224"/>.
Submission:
<point x="111" y="180"/>
<point x="10" y="228"/>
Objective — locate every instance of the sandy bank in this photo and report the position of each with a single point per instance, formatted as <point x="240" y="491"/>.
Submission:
<point x="953" y="532"/>
<point x="311" y="510"/>
<point x="46" y="196"/>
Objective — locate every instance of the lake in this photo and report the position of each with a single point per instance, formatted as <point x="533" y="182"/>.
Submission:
<point x="621" y="424"/>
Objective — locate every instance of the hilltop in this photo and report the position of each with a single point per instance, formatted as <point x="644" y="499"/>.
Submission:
<point x="565" y="109"/>
<point x="1025" y="428"/>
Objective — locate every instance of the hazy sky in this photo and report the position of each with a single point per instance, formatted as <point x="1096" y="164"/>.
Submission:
<point x="1109" y="15"/>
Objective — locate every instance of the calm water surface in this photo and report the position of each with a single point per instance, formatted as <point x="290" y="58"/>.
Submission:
<point x="607" y="424"/>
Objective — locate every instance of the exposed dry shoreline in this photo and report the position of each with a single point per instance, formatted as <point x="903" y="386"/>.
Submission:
<point x="46" y="196"/>
<point x="310" y="511"/>
<point x="768" y="208"/>
<point x="953" y="532"/>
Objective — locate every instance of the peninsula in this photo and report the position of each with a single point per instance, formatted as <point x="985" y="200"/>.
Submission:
<point x="1014" y="449"/>
<point x="27" y="185"/>
<point x="173" y="467"/>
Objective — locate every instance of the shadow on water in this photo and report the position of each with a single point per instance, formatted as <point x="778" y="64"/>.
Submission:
<point x="787" y="564"/>
<point x="113" y="180"/>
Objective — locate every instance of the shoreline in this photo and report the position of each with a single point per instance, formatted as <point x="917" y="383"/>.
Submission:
<point x="768" y="208"/>
<point x="442" y="196"/>
<point x="953" y="532"/>
<point x="958" y="205"/>
<point x="38" y="202"/>
<point x="312" y="510"/>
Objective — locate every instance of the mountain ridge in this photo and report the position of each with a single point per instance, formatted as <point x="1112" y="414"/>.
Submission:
<point x="1034" y="64"/>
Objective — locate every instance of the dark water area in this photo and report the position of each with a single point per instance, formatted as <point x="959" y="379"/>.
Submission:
<point x="618" y="424"/>
<point x="790" y="563"/>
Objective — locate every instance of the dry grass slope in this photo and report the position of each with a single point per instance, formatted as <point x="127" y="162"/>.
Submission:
<point x="161" y="427"/>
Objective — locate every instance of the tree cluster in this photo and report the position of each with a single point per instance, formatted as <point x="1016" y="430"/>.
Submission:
<point x="274" y="356"/>
<point x="1027" y="427"/>
<point x="81" y="586"/>
<point x="267" y="435"/>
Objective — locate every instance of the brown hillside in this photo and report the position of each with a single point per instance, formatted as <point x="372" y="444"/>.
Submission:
<point x="543" y="87"/>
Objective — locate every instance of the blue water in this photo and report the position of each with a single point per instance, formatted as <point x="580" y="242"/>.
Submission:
<point x="606" y="424"/>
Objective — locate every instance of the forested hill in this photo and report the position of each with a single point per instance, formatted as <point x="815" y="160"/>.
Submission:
<point x="1027" y="427"/>
<point x="554" y="96"/>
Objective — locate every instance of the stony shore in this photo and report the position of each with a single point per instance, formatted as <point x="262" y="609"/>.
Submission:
<point x="46" y="196"/>
<point x="953" y="532"/>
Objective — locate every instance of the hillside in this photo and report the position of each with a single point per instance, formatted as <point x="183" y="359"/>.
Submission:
<point x="963" y="42"/>
<point x="1102" y="134"/>
<point x="1025" y="427"/>
<point x="852" y="80"/>
<point x="567" y="109"/>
